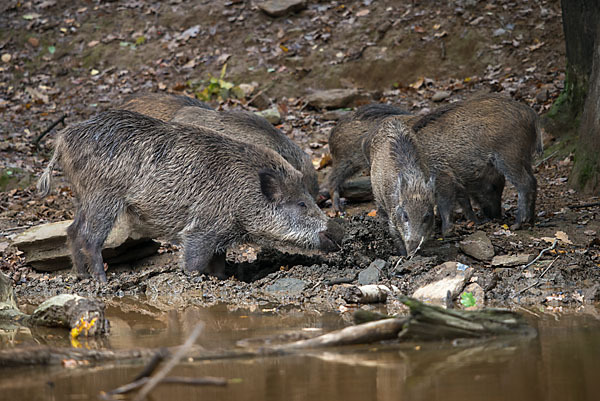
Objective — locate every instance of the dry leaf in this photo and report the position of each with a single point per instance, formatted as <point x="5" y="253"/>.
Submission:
<point x="563" y="237"/>
<point x="324" y="161"/>
<point x="418" y="83"/>
<point x="363" y="12"/>
<point x="372" y="213"/>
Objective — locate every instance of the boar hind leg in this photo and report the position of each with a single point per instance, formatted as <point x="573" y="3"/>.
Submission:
<point x="339" y="174"/>
<point x="524" y="181"/>
<point x="92" y="225"/>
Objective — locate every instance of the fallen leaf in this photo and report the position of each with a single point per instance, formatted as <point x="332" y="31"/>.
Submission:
<point x="322" y="162"/>
<point x="35" y="42"/>
<point x="419" y="29"/>
<point x="372" y="213"/>
<point x="535" y="46"/>
<point x="94" y="72"/>
<point x="6" y="57"/>
<point x="418" y="83"/>
<point x="93" y="43"/>
<point x="51" y="49"/>
<point x="363" y="12"/>
<point x="563" y="237"/>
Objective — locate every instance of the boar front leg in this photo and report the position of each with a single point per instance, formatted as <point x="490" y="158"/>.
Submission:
<point x="200" y="256"/>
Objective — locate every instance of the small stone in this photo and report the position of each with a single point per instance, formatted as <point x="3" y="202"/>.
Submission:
<point x="247" y="89"/>
<point x="372" y="273"/>
<point x="478" y="246"/>
<point x="440" y="95"/>
<point x="499" y="32"/>
<point x="271" y="115"/>
<point x="279" y="8"/>
<point x="333" y="98"/>
<point x="287" y="286"/>
<point x="512" y="260"/>
<point x="478" y="294"/>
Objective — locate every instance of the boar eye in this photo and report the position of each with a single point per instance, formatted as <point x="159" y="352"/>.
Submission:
<point x="404" y="216"/>
<point x="301" y="204"/>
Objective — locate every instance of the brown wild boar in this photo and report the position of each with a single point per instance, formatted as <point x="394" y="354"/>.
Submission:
<point x="189" y="185"/>
<point x="160" y="105"/>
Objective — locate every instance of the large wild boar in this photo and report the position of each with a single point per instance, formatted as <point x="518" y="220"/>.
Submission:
<point x="467" y="145"/>
<point x="251" y="128"/>
<point x="188" y="185"/>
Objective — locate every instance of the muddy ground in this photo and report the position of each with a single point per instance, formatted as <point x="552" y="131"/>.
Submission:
<point x="81" y="57"/>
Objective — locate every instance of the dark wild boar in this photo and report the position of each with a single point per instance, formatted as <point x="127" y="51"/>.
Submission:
<point x="160" y="105"/>
<point x="188" y="185"/>
<point x="250" y="128"/>
<point x="346" y="141"/>
<point x="402" y="188"/>
<point x="470" y="145"/>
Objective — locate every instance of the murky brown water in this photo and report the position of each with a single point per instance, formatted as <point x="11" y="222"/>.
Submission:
<point x="563" y="363"/>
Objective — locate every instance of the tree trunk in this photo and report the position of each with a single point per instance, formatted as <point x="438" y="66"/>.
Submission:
<point x="580" y="23"/>
<point x="585" y="175"/>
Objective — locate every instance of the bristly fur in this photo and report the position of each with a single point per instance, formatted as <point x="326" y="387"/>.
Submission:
<point x="432" y="116"/>
<point x="377" y="111"/>
<point x="178" y="182"/>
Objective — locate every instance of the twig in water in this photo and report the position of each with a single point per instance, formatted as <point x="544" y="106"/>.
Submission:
<point x="541" y="253"/>
<point x="171" y="363"/>
<point x="195" y="381"/>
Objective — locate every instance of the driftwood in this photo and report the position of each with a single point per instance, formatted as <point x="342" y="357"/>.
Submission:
<point x="425" y="323"/>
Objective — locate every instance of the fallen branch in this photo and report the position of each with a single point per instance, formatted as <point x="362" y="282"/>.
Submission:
<point x="540" y="254"/>
<point x="583" y="205"/>
<point x="537" y="282"/>
<point x="61" y="119"/>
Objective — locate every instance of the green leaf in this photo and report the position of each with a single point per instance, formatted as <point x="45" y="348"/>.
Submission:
<point x="51" y="49"/>
<point x="140" y="40"/>
<point x="223" y="70"/>
<point x="467" y="299"/>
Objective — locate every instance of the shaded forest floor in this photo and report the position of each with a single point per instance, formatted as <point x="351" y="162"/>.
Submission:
<point x="81" y="57"/>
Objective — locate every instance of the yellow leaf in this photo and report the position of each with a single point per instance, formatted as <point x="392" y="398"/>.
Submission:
<point x="285" y="49"/>
<point x="505" y="226"/>
<point x="372" y="213"/>
<point x="563" y="237"/>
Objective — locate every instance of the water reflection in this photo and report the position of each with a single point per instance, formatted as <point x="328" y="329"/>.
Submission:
<point x="562" y="363"/>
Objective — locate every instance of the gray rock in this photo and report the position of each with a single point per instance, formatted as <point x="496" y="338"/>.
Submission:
<point x="440" y="95"/>
<point x="333" y="98"/>
<point x="68" y="310"/>
<point x="478" y="245"/>
<point x="279" y="8"/>
<point x="286" y="286"/>
<point x="372" y="273"/>
<point x="512" y="260"/>
<point x="436" y="292"/>
<point x="271" y="115"/>
<point x="45" y="246"/>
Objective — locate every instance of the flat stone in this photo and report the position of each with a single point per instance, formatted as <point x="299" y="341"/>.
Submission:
<point x="45" y="246"/>
<point x="287" y="286"/>
<point x="372" y="273"/>
<point x="271" y="115"/>
<point x="333" y="98"/>
<point x="512" y="260"/>
<point x="440" y="95"/>
<point x="436" y="292"/>
<point x="478" y="246"/>
<point x="279" y="8"/>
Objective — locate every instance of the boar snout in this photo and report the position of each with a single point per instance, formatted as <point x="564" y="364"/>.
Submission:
<point x="331" y="238"/>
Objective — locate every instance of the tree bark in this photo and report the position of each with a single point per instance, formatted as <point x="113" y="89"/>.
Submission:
<point x="580" y="23"/>
<point x="585" y="175"/>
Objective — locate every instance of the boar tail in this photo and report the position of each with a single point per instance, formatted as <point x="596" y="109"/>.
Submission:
<point x="539" y="146"/>
<point x="43" y="184"/>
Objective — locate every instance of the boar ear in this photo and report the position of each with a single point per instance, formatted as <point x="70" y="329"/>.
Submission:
<point x="271" y="184"/>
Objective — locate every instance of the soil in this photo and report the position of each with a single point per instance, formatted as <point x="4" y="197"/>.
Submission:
<point x="81" y="57"/>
